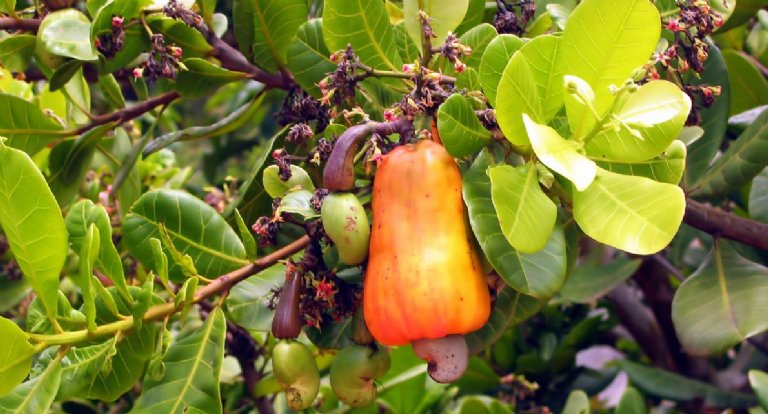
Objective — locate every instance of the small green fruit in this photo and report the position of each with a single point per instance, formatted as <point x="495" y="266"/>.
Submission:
<point x="296" y="372"/>
<point x="353" y="372"/>
<point x="346" y="223"/>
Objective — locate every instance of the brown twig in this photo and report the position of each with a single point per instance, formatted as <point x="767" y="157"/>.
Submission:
<point x="27" y="25"/>
<point x="718" y="222"/>
<point x="129" y="113"/>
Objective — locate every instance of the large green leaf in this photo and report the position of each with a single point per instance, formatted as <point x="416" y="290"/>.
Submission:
<point x="25" y="125"/>
<point x="32" y="222"/>
<point x="669" y="386"/>
<point x="540" y="274"/>
<point x="446" y="16"/>
<point x="714" y="118"/>
<point x="34" y="396"/>
<point x="473" y="17"/>
<point x="308" y="57"/>
<point x="527" y="216"/>
<point x="178" y="33"/>
<point x="758" y="197"/>
<point x="748" y="86"/>
<point x="604" y="41"/>
<point x="108" y="262"/>
<point x="517" y="95"/>
<point x="81" y="366"/>
<point x="460" y="131"/>
<point x="247" y="303"/>
<point x="511" y="308"/>
<point x="561" y="155"/>
<point x="577" y="403"/>
<point x="16" y="359"/>
<point x="265" y="27"/>
<point x="645" y="124"/>
<point x="365" y="26"/>
<point x="202" y="78"/>
<point x="68" y="34"/>
<point x="634" y="214"/>
<point x="668" y="167"/>
<point x="132" y="351"/>
<point x="542" y="56"/>
<point x="494" y="60"/>
<point x="722" y="303"/>
<point x="592" y="278"/>
<point x="190" y="381"/>
<point x="740" y="12"/>
<point x="632" y="402"/>
<point x="195" y="228"/>
<point x="759" y="382"/>
<point x="743" y="160"/>
<point x="8" y="6"/>
<point x="16" y="51"/>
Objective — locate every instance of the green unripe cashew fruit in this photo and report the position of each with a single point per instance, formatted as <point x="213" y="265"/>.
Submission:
<point x="296" y="372"/>
<point x="353" y="372"/>
<point x="346" y="223"/>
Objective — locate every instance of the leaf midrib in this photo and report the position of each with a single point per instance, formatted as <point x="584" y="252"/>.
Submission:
<point x="198" y="358"/>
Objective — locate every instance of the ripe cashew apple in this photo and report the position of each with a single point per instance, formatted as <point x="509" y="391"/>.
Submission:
<point x="353" y="372"/>
<point x="345" y="222"/>
<point x="424" y="282"/>
<point x="296" y="371"/>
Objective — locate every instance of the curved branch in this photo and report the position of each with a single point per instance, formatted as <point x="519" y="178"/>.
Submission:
<point x="129" y="113"/>
<point x="720" y="223"/>
<point x="218" y="286"/>
<point x="27" y="25"/>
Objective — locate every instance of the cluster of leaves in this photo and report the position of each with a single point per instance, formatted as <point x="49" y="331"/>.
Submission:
<point x="125" y="266"/>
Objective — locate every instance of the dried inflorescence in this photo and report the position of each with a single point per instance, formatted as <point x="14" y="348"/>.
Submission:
<point x="513" y="17"/>
<point x="110" y="44"/>
<point x="300" y="107"/>
<point x="339" y="87"/>
<point x="454" y="51"/>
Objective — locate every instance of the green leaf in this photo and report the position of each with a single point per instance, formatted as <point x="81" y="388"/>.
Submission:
<point x="16" y="359"/>
<point x="511" y="308"/>
<point x="741" y="11"/>
<point x="722" y="303"/>
<point x="409" y="53"/>
<point x="178" y="33"/>
<point x="63" y="74"/>
<point x="473" y="17"/>
<point x="560" y="155"/>
<point x="8" y="6"/>
<point x="79" y="218"/>
<point x="540" y="274"/>
<point x="194" y="227"/>
<point x="527" y="216"/>
<point x="111" y="91"/>
<point x="25" y="125"/>
<point x="656" y="112"/>
<point x="364" y="25"/>
<point x="16" y="51"/>
<point x="298" y="202"/>
<point x="68" y="34"/>
<point x="592" y="279"/>
<point x="202" y="78"/>
<point x="632" y="402"/>
<point x="68" y="318"/>
<point x="446" y="16"/>
<point x="714" y="118"/>
<point x="758" y="197"/>
<point x="127" y="9"/>
<point x="460" y="131"/>
<point x="634" y="214"/>
<point x="247" y="303"/>
<point x="603" y="43"/>
<point x="247" y="237"/>
<point x="207" y="8"/>
<point x="33" y="224"/>
<point x="276" y="187"/>
<point x="669" y="386"/>
<point x="468" y="80"/>
<point x="82" y="365"/>
<point x="88" y="254"/>
<point x="577" y="403"/>
<point x="517" y="95"/>
<point x="742" y="162"/>
<point x="253" y="200"/>
<point x="493" y="62"/>
<point x="479" y="378"/>
<point x="34" y="396"/>
<point x="190" y="382"/>
<point x="70" y="161"/>
<point x="132" y="351"/>
<point x="308" y="57"/>
<point x="748" y="86"/>
<point x="265" y="27"/>
<point x="542" y="56"/>
<point x="759" y="382"/>
<point x="668" y="167"/>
